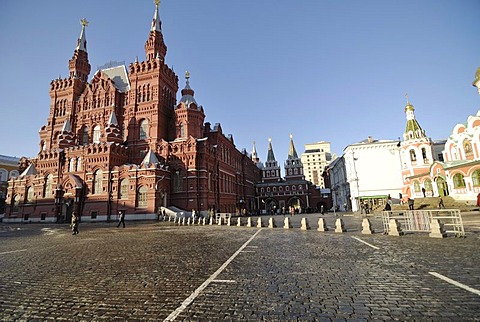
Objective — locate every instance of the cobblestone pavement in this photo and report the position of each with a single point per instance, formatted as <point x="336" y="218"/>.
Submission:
<point x="153" y="271"/>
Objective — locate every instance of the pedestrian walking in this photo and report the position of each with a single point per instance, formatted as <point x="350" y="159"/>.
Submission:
<point x="411" y="202"/>
<point x="440" y="203"/>
<point x="121" y="218"/>
<point x="74" y="224"/>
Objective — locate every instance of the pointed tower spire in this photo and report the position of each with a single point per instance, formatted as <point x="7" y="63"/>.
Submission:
<point x="188" y="92"/>
<point x="255" y="158"/>
<point x="412" y="129"/>
<point x="155" y="47"/>
<point x="82" y="40"/>
<point x="293" y="165"/>
<point x="292" y="153"/>
<point x="79" y="66"/>
<point x="271" y="171"/>
<point x="270" y="155"/>
<point x="156" y="23"/>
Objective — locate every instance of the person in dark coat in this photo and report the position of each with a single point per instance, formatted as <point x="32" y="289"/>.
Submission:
<point x="74" y="224"/>
<point x="121" y="219"/>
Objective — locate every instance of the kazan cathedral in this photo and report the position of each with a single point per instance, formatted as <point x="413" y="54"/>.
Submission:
<point x="121" y="142"/>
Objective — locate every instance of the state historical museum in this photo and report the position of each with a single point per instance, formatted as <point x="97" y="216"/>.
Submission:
<point x="122" y="142"/>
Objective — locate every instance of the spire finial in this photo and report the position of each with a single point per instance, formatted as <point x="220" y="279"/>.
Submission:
<point x="406" y="96"/>
<point x="291" y="136"/>
<point x="157" y="2"/>
<point x="84" y="22"/>
<point x="269" y="139"/>
<point x="187" y="75"/>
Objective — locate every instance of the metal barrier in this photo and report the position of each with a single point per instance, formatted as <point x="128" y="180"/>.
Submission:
<point x="419" y="220"/>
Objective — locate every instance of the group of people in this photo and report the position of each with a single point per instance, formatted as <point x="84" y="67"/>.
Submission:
<point x="76" y="220"/>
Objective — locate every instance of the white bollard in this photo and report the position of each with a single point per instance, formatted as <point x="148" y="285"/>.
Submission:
<point x="287" y="224"/>
<point x="211" y="221"/>
<point x="239" y="222"/>
<point x="437" y="230"/>
<point x="183" y="221"/>
<point x="229" y="221"/>
<point x="204" y="221"/>
<point x="189" y="221"/>
<point x="340" y="226"/>
<point x="305" y="225"/>
<point x="394" y="227"/>
<point x="249" y="222"/>
<point x="322" y="225"/>
<point x="367" y="227"/>
<point x="271" y="223"/>
<point x="259" y="222"/>
<point x="220" y="221"/>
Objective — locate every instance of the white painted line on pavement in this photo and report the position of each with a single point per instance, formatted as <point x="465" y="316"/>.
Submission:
<point x="197" y="292"/>
<point x="248" y="251"/>
<point x="224" y="281"/>
<point x="458" y="284"/>
<point x="13" y="251"/>
<point x="365" y="242"/>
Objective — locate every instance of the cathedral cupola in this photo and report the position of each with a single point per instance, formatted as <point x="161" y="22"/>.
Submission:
<point x="79" y="67"/>
<point x="188" y="93"/>
<point x="412" y="129"/>
<point x="155" y="47"/>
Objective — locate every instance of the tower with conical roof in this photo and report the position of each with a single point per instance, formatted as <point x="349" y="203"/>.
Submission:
<point x="255" y="157"/>
<point x="151" y="99"/>
<point x="293" y="164"/>
<point x="155" y="46"/>
<point x="271" y="170"/>
<point x="189" y="116"/>
<point x="65" y="93"/>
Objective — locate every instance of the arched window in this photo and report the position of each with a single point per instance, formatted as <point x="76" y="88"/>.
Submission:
<point x="71" y="165"/>
<point x="96" y="134"/>
<point x="458" y="181"/>
<point x="467" y="146"/>
<point x="424" y="154"/>
<point x="428" y="185"/>
<point x="97" y="182"/>
<point x="79" y="164"/>
<point x="16" y="202"/>
<point x="143" y="129"/>
<point x="476" y="178"/>
<point x="3" y="175"/>
<point x="142" y="197"/>
<point x="14" y="174"/>
<point x="413" y="157"/>
<point x="47" y="187"/>
<point x="416" y="186"/>
<point x="182" y="130"/>
<point x="123" y="192"/>
<point x="177" y="181"/>
<point x="85" y="136"/>
<point x="29" y="194"/>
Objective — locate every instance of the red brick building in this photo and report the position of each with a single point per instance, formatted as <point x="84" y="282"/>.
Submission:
<point x="121" y="142"/>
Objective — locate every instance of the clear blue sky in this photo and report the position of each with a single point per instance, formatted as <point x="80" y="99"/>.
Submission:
<point x="332" y="71"/>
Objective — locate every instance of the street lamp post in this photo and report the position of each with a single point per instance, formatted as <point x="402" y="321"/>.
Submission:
<point x="356" y="179"/>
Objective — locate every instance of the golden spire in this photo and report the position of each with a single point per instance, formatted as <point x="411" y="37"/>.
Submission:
<point x="157" y="2"/>
<point x="187" y="74"/>
<point x="84" y="22"/>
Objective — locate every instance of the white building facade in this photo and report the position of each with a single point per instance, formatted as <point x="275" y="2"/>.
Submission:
<point x="373" y="172"/>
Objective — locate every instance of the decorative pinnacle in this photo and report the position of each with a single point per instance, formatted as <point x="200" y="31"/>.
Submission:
<point x="84" y="22"/>
<point x="157" y="2"/>
<point x="406" y="96"/>
<point x="291" y="136"/>
<point x="187" y="74"/>
<point x="269" y="139"/>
